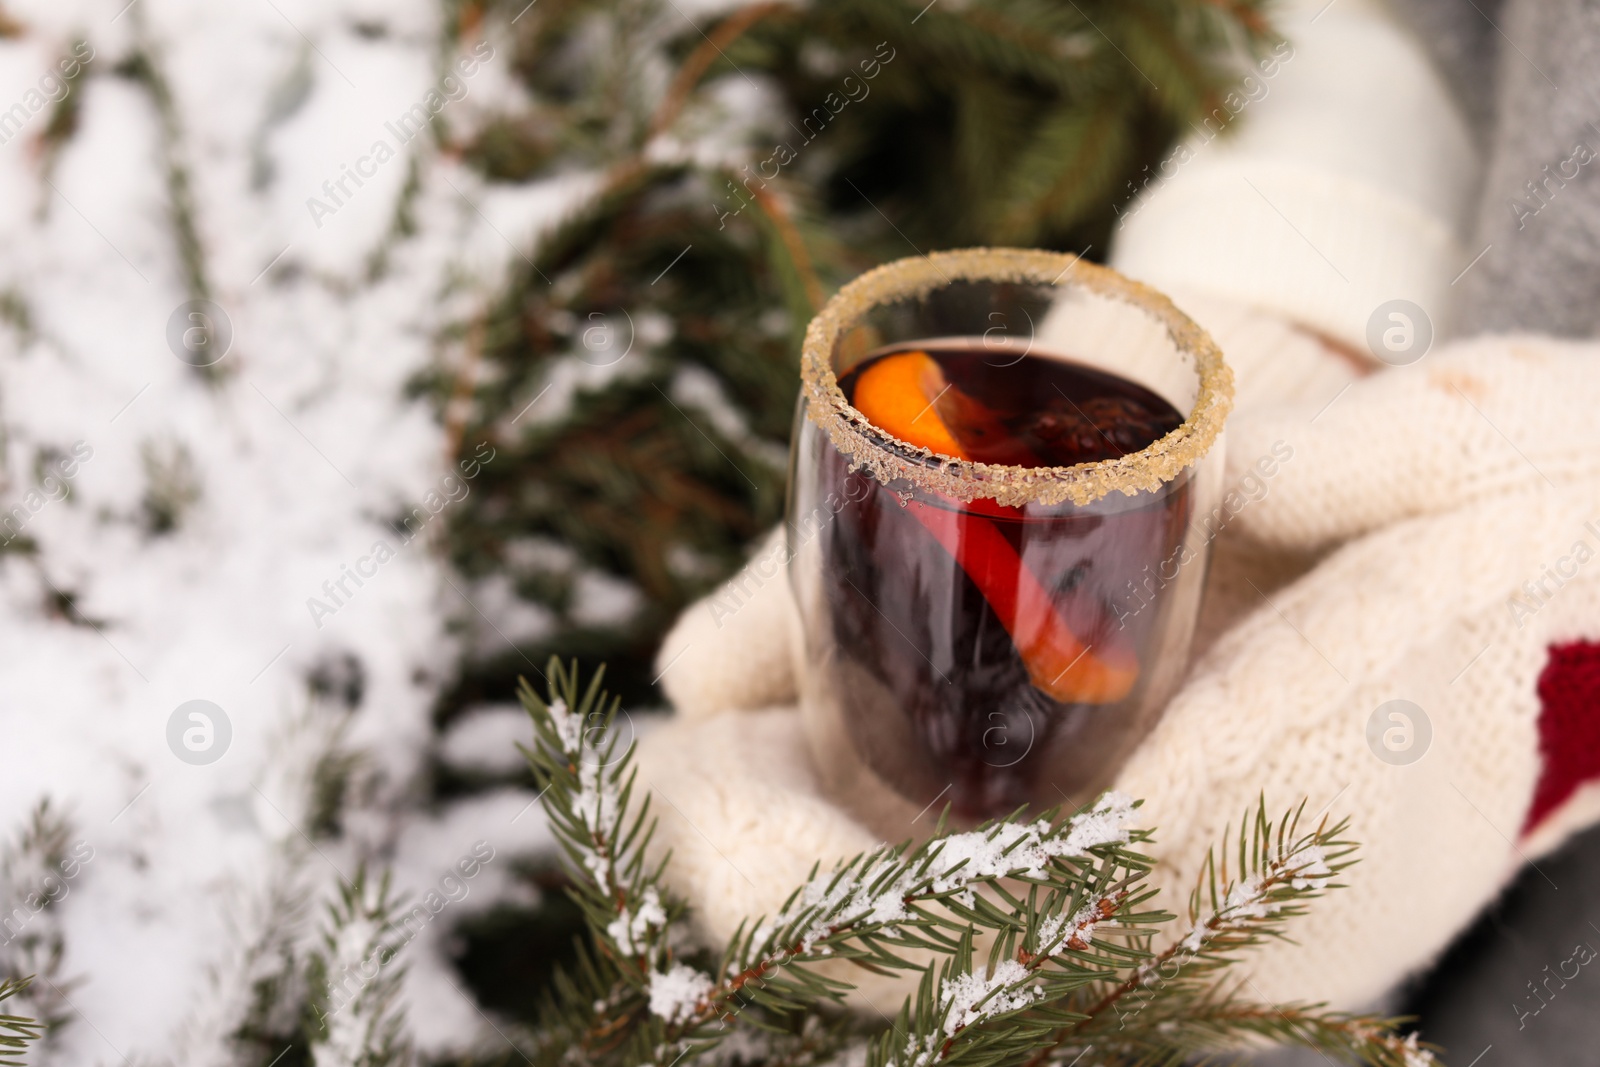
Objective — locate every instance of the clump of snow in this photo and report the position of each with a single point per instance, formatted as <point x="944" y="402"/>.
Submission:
<point x="569" y="728"/>
<point x="355" y="1011"/>
<point x="1060" y="932"/>
<point x="632" y="927"/>
<point x="1414" y="1055"/>
<point x="499" y="617"/>
<point x="597" y="804"/>
<point x="971" y="998"/>
<point x="1024" y="849"/>
<point x="601" y="599"/>
<point x="1104" y="824"/>
<point x="677" y="993"/>
<point x="1247" y="900"/>
<point x="1309" y="868"/>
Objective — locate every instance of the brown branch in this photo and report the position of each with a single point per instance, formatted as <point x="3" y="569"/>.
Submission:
<point x="459" y="406"/>
<point x="1245" y="14"/>
<point x="469" y="21"/>
<point x="694" y="68"/>
<point x="789" y="234"/>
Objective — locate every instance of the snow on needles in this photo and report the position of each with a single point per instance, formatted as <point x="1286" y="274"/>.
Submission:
<point x="569" y="728"/>
<point x="876" y="894"/>
<point x="632" y="927"/>
<point x="972" y="998"/>
<point x="1306" y="869"/>
<point x="1023" y="849"/>
<point x="677" y="993"/>
<point x="207" y="508"/>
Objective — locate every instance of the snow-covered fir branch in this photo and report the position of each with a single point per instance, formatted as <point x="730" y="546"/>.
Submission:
<point x="1032" y="937"/>
<point x="359" y="1020"/>
<point x="1226" y="915"/>
<point x="255" y="997"/>
<point x="38" y="870"/>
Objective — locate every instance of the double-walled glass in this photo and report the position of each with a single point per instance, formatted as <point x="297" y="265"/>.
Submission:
<point x="985" y="635"/>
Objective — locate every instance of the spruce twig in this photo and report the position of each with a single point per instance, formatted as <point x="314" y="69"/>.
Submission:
<point x="356" y="984"/>
<point x="37" y="870"/>
<point x="1034" y="937"/>
<point x="16" y="1031"/>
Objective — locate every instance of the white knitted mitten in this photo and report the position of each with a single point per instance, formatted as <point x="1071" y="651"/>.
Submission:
<point x="1434" y="678"/>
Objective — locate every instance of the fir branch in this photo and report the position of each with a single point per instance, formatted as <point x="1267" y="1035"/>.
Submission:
<point x="36" y="872"/>
<point x="1044" y="192"/>
<point x="16" y="1031"/>
<point x="1032" y="936"/>
<point x="257" y="997"/>
<point x="1280" y="869"/>
<point x="710" y="49"/>
<point x="881" y="908"/>
<point x="356" y="990"/>
<point x="586" y="784"/>
<point x="794" y="255"/>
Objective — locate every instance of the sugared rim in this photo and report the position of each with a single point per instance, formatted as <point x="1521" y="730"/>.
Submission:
<point x="891" y="460"/>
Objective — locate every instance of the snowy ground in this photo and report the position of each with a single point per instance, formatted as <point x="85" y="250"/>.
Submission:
<point x="206" y="510"/>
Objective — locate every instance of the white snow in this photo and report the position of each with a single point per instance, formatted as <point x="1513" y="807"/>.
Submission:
<point x="1025" y="848"/>
<point x="601" y="599"/>
<point x="676" y="993"/>
<point x="485" y="739"/>
<point x="297" y="452"/>
<point x="1414" y="1055"/>
<point x="973" y="997"/>
<point x="1058" y="932"/>
<point x="959" y="861"/>
<point x="569" y="728"/>
<point x="633" y="926"/>
<point x="1309" y="867"/>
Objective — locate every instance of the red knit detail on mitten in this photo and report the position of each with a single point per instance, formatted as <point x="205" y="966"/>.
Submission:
<point x="1569" y="726"/>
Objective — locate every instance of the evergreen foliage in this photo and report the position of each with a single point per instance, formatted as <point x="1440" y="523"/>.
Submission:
<point x="354" y="990"/>
<point x="16" y="1032"/>
<point x="1037" y="938"/>
<point x="36" y="869"/>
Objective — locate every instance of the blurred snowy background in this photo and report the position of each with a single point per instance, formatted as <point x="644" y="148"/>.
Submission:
<point x="210" y="504"/>
<point x="356" y="356"/>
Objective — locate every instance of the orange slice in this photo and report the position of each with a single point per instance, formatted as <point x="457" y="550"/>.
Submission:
<point x="897" y="394"/>
<point x="1059" y="664"/>
<point x="906" y="394"/>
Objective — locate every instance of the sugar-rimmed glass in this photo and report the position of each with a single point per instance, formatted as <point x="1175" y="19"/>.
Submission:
<point x="983" y="634"/>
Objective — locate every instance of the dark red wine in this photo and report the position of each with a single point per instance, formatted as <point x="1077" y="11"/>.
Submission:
<point x="986" y="654"/>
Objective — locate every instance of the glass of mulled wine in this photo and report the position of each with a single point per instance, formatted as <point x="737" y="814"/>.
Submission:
<point x="998" y="462"/>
